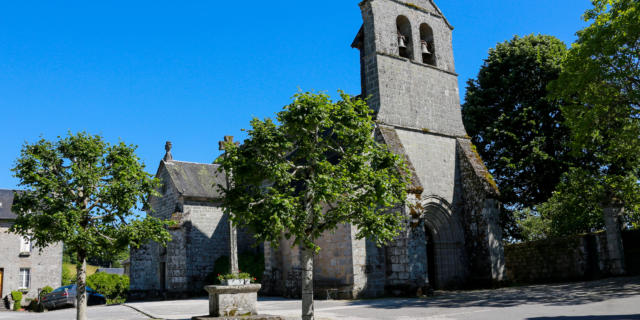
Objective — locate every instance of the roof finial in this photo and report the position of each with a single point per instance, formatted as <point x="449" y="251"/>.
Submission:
<point x="167" y="147"/>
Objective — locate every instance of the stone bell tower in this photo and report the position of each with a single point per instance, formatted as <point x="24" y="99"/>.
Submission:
<point x="452" y="236"/>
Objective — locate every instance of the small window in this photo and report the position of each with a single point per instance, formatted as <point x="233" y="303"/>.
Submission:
<point x="427" y="45"/>
<point x="25" y="246"/>
<point x="405" y="42"/>
<point x="25" y="278"/>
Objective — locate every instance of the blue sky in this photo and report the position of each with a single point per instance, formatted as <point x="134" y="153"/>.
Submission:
<point x="194" y="71"/>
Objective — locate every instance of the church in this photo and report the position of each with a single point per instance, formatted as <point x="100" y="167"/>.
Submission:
<point x="451" y="237"/>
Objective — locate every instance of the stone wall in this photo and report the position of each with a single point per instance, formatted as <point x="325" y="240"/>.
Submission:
<point x="480" y="213"/>
<point x="45" y="267"/>
<point x="579" y="257"/>
<point x="145" y="261"/>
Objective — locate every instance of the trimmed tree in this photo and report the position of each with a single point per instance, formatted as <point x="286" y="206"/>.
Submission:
<point x="317" y="167"/>
<point x="88" y="194"/>
<point x="519" y="131"/>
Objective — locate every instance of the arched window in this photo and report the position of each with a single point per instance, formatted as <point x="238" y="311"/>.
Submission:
<point x="405" y="42"/>
<point x="427" y="45"/>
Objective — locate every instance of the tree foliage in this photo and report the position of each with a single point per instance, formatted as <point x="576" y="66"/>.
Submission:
<point x="317" y="167"/>
<point x="518" y="130"/>
<point x="86" y="193"/>
<point x="600" y="83"/>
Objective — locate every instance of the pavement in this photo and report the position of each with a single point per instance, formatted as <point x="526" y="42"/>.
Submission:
<point x="609" y="299"/>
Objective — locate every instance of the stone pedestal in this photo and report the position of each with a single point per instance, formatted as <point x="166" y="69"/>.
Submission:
<point x="225" y="301"/>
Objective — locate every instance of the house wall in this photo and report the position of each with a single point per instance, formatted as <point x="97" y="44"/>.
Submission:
<point x="145" y="261"/>
<point x="45" y="267"/>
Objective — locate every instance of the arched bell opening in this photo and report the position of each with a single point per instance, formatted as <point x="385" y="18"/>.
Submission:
<point x="427" y="45"/>
<point x="405" y="41"/>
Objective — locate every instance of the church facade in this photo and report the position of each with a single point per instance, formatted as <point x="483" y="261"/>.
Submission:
<point x="451" y="237"/>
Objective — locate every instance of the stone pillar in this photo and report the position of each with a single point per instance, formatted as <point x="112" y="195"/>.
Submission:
<point x="233" y="301"/>
<point x="613" y="224"/>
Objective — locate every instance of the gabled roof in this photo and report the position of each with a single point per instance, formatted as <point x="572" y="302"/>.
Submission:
<point x="6" y="201"/>
<point x="195" y="180"/>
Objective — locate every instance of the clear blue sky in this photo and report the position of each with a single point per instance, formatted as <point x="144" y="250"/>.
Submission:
<point x="193" y="71"/>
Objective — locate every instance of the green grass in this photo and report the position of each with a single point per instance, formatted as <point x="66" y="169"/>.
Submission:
<point x="71" y="268"/>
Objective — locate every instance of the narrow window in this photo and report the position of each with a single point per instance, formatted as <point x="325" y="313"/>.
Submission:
<point x="427" y="45"/>
<point x="405" y="42"/>
<point x="25" y="246"/>
<point x="25" y="278"/>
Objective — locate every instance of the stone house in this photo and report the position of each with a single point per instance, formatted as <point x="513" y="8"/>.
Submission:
<point x="22" y="266"/>
<point x="451" y="236"/>
<point x="188" y="197"/>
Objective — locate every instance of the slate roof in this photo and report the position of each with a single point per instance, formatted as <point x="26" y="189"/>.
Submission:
<point x="391" y="139"/>
<point x="195" y="180"/>
<point x="6" y="201"/>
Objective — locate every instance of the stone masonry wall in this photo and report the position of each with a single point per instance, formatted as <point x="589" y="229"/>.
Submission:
<point x="144" y="266"/>
<point x="45" y="267"/>
<point x="404" y="92"/>
<point x="579" y="257"/>
<point x="481" y="214"/>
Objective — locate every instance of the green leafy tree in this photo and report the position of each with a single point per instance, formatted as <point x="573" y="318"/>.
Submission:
<point x="86" y="193"/>
<point x="317" y="167"/>
<point x="519" y="131"/>
<point x="600" y="84"/>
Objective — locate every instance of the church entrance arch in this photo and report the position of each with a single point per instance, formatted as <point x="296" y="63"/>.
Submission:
<point x="444" y="244"/>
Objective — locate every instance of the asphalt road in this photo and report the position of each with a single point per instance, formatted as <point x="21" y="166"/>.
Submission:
<point x="610" y="299"/>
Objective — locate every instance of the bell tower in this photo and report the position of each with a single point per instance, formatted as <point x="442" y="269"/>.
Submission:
<point x="409" y="78"/>
<point x="407" y="66"/>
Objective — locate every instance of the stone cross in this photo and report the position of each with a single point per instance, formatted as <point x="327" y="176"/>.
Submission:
<point x="233" y="233"/>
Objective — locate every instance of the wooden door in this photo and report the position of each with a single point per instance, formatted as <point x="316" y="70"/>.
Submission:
<point x="1" y="275"/>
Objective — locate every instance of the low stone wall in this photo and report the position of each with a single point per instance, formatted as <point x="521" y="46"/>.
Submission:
<point x="631" y="243"/>
<point x="579" y="257"/>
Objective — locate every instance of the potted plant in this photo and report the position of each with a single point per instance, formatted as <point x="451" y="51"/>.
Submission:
<point x="234" y="279"/>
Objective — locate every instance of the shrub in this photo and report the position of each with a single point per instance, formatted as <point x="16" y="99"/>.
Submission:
<point x="46" y="290"/>
<point x="113" y="286"/>
<point x="17" y="298"/>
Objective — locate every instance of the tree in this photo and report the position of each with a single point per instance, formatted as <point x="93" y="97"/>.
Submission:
<point x="600" y="83"/>
<point x="86" y="193"/>
<point x="317" y="167"/>
<point x="518" y="130"/>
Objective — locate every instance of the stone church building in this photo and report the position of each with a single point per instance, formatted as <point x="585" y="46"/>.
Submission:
<point x="452" y="237"/>
<point x="200" y="235"/>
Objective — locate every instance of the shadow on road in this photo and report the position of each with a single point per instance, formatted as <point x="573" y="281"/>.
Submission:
<point x="614" y="317"/>
<point x="552" y="295"/>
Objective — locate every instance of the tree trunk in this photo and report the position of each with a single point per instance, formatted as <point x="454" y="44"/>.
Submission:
<point x="307" y="283"/>
<point x="81" y="289"/>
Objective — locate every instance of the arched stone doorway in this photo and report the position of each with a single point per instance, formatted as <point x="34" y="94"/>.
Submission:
<point x="445" y="244"/>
